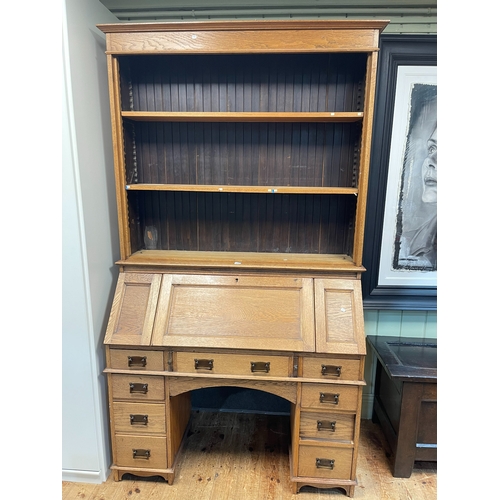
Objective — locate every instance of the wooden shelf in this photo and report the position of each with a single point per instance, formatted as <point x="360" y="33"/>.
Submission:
<point x="158" y="116"/>
<point x="242" y="260"/>
<point x="242" y="189"/>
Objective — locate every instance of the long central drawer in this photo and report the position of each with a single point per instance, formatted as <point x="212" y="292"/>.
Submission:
<point x="233" y="364"/>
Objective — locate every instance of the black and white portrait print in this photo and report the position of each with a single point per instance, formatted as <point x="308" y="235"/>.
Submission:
<point x="415" y="242"/>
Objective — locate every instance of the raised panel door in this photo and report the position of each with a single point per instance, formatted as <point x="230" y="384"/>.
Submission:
<point x="133" y="310"/>
<point x="339" y="316"/>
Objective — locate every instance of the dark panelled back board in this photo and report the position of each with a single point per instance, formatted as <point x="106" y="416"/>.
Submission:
<point x="246" y="82"/>
<point x="243" y="222"/>
<point x="254" y="154"/>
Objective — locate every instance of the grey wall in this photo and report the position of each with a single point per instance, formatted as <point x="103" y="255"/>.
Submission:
<point x="90" y="241"/>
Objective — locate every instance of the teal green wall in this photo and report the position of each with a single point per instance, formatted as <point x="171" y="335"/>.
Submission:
<point x="395" y="324"/>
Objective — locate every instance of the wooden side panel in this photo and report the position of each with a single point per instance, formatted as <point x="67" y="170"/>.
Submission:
<point x="133" y="310"/>
<point x="371" y="76"/>
<point x="339" y="316"/>
<point x="119" y="154"/>
<point x="178" y="414"/>
<point x="244" y="41"/>
<point x="271" y="313"/>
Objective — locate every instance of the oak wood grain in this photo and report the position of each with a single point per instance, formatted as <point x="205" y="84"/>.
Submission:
<point x="253" y="312"/>
<point x="255" y="41"/>
<point x="347" y="397"/>
<point x="209" y="461"/>
<point x="133" y="310"/>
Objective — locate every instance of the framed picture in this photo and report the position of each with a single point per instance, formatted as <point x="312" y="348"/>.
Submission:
<point x="401" y="225"/>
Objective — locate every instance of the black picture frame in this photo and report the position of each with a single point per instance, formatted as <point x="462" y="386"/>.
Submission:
<point x="395" y="51"/>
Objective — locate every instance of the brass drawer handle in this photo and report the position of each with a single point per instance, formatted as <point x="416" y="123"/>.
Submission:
<point x="325" y="463"/>
<point x="332" y="370"/>
<point x="329" y="398"/>
<point x="260" y="366"/>
<point x="134" y="361"/>
<point x="203" y="364"/>
<point x="138" y="420"/>
<point x="325" y="425"/>
<point x="138" y="388"/>
<point x="142" y="454"/>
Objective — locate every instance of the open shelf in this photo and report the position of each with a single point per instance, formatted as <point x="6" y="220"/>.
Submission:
<point x="304" y="154"/>
<point x="241" y="222"/>
<point x="223" y="116"/>
<point x="241" y="189"/>
<point x="205" y="138"/>
<point x="241" y="260"/>
<point x="242" y="85"/>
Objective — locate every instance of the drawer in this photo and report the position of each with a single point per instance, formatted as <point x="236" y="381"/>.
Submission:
<point x="138" y="387"/>
<point x="332" y="368"/>
<point x="331" y="426"/>
<point x="325" y="461"/>
<point x="141" y="451"/>
<point x="130" y="359"/>
<point x="330" y="396"/>
<point x="233" y="364"/>
<point x="139" y="418"/>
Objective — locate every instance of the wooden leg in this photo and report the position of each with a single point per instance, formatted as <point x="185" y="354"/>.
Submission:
<point x="378" y="372"/>
<point x="408" y="427"/>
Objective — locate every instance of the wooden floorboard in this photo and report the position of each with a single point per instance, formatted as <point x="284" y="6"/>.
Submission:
<point x="241" y="456"/>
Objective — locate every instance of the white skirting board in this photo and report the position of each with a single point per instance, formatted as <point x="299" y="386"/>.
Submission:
<point x="85" y="476"/>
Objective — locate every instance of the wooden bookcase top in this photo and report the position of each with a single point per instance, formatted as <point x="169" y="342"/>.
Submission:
<point x="243" y="138"/>
<point x="243" y="36"/>
<point x="261" y="25"/>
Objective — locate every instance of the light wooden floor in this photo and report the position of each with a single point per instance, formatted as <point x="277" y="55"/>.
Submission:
<point x="230" y="456"/>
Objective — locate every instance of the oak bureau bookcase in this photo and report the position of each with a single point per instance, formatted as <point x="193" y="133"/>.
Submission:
<point x="241" y="161"/>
